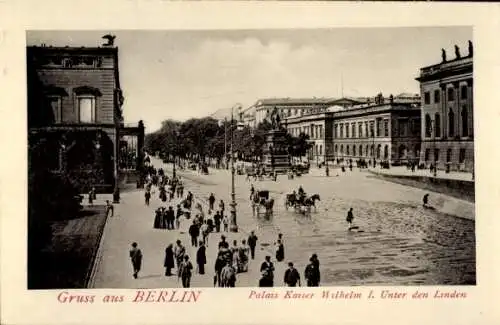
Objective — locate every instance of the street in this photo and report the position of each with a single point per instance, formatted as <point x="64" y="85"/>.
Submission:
<point x="398" y="242"/>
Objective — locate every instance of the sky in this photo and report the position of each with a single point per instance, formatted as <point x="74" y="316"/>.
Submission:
<point x="179" y="74"/>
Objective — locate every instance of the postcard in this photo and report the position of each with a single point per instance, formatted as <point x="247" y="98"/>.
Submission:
<point x="311" y="164"/>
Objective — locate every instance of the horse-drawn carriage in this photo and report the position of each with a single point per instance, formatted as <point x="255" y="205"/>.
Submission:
<point x="301" y="202"/>
<point x="262" y="204"/>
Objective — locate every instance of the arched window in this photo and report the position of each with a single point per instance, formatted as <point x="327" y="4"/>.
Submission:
<point x="372" y="151"/>
<point x="386" y="152"/>
<point x="366" y="151"/>
<point x="465" y="122"/>
<point x="320" y="149"/>
<point x="342" y="149"/>
<point x="428" y="126"/>
<point x="448" y="155"/>
<point x="347" y="150"/>
<point x="451" y="123"/>
<point x="437" y="125"/>
<point x="361" y="150"/>
<point x="336" y="149"/>
<point x="354" y="150"/>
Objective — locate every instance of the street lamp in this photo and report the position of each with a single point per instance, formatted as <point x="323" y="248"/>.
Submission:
<point x="176" y="136"/>
<point x="233" y="227"/>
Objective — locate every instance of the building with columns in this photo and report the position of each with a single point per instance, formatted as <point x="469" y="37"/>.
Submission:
<point x="384" y="129"/>
<point x="447" y="112"/>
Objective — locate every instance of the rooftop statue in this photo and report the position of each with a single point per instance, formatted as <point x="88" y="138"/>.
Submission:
<point x="443" y="55"/>
<point x="457" y="52"/>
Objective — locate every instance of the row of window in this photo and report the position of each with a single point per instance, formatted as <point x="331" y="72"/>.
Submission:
<point x="382" y="129"/>
<point x="436" y="124"/>
<point x="287" y="112"/>
<point x="85" y="105"/>
<point x="450" y="95"/>
<point x="359" y="152"/>
<point x="313" y="131"/>
<point x="449" y="152"/>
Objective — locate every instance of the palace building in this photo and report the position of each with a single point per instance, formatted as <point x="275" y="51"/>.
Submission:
<point x="447" y="112"/>
<point x="75" y="111"/>
<point x="384" y="129"/>
<point x="288" y="107"/>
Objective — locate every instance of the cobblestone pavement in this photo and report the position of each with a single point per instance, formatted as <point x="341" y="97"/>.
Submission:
<point x="398" y="242"/>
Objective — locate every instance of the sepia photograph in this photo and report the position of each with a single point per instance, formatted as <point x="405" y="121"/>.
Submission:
<point x="250" y="158"/>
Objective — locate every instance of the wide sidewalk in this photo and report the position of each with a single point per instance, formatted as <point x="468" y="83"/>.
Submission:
<point x="133" y="221"/>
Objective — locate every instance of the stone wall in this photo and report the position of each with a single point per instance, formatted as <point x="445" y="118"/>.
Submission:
<point x="460" y="189"/>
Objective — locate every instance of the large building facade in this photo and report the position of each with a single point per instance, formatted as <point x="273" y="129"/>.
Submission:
<point x="388" y="132"/>
<point x="447" y="113"/>
<point x="291" y="107"/>
<point x="75" y="109"/>
<point x="383" y="129"/>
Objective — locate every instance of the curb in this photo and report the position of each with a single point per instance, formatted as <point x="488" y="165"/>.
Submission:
<point x="96" y="260"/>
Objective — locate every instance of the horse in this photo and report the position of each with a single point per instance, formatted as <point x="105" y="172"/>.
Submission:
<point x="290" y="201"/>
<point x="311" y="201"/>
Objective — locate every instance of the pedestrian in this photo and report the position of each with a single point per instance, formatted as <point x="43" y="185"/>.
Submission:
<point x="179" y="252"/>
<point x="204" y="230"/>
<point x="201" y="258"/>
<point x="178" y="215"/>
<point x="136" y="259"/>
<point x="280" y="251"/>
<point x="109" y="209"/>
<point x="194" y="232"/>
<point x="350" y="218"/>
<point x="223" y="243"/>
<point x="217" y="221"/>
<point x="169" y="260"/>
<point x="147" y="196"/>
<point x="221" y="207"/>
<point x="426" y="200"/>
<point x="252" y="243"/>
<point x="91" y="196"/>
<point x="225" y="222"/>
<point x="219" y="265"/>
<point x="164" y="218"/>
<point x="243" y="257"/>
<point x="211" y="201"/>
<point x="228" y="276"/>
<point x="157" y="224"/>
<point x="268" y="267"/>
<point x="292" y="276"/>
<point x="312" y="273"/>
<point x="185" y="272"/>
<point x="170" y="218"/>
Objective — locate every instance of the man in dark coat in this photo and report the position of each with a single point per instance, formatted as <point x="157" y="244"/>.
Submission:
<point x="170" y="218"/>
<point x="169" y="260"/>
<point x="292" y="276"/>
<point x="211" y="201"/>
<point x="194" y="232"/>
<point x="252" y="243"/>
<point x="280" y="251"/>
<point x="136" y="259"/>
<point x="217" y="221"/>
<point x="267" y="268"/>
<point x="201" y="258"/>
<point x="312" y="273"/>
